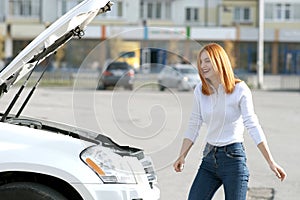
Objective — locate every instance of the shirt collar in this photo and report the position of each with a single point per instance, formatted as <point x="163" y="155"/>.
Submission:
<point x="218" y="90"/>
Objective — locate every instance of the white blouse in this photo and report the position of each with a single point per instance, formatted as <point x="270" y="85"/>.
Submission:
<point x="225" y="115"/>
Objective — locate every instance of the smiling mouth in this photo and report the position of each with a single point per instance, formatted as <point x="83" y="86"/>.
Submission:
<point x="205" y="71"/>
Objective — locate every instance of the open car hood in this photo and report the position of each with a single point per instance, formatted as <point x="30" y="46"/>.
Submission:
<point x="70" y="25"/>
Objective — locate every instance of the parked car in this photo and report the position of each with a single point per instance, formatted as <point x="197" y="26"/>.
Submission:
<point x="180" y="76"/>
<point x="46" y="160"/>
<point x="117" y="74"/>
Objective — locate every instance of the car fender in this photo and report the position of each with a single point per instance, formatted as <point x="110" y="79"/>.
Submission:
<point x="30" y="150"/>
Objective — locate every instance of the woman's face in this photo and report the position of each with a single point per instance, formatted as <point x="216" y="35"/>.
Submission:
<point x="206" y="67"/>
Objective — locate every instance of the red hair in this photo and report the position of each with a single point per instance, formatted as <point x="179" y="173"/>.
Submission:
<point x="221" y="64"/>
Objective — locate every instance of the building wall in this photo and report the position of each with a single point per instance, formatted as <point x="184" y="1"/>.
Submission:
<point x="2" y="11"/>
<point x="180" y="6"/>
<point x="207" y="12"/>
<point x="282" y="14"/>
<point x="132" y="10"/>
<point x="282" y="25"/>
<point x="50" y="11"/>
<point x="227" y="11"/>
<point x="215" y="23"/>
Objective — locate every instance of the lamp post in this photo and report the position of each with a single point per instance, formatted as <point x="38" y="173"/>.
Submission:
<point x="260" y="46"/>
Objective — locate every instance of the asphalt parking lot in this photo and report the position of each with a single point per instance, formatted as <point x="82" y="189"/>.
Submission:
<point x="155" y="121"/>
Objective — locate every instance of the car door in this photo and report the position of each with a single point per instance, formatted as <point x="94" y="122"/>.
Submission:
<point x="174" y="78"/>
<point x="164" y="77"/>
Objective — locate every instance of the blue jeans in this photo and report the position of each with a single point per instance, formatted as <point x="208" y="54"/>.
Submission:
<point x="221" y="166"/>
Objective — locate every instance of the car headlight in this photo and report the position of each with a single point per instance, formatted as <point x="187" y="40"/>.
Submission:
<point x="186" y="79"/>
<point x="109" y="166"/>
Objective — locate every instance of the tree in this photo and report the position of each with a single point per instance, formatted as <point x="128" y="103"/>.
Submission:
<point x="2" y="54"/>
<point x="114" y="44"/>
<point x="173" y="52"/>
<point x="59" y="56"/>
<point x="229" y="48"/>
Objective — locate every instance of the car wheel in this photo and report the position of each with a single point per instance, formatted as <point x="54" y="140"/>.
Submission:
<point x="180" y="86"/>
<point x="161" y="87"/>
<point x="129" y="87"/>
<point x="29" y="191"/>
<point x="101" y="87"/>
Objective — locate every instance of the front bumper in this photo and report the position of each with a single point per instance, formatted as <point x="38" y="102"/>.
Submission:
<point x="120" y="192"/>
<point x="188" y="85"/>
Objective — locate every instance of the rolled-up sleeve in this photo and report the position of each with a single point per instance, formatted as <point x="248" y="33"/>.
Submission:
<point x="250" y="119"/>
<point x="195" y="121"/>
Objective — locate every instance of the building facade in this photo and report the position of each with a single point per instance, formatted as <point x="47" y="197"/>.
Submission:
<point x="168" y="27"/>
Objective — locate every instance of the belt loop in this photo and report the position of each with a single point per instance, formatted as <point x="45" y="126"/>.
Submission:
<point x="225" y="148"/>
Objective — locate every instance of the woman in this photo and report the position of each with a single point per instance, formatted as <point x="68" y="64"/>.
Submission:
<point x="225" y="104"/>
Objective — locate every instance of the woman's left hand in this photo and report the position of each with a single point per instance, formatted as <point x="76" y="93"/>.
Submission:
<point x="279" y="171"/>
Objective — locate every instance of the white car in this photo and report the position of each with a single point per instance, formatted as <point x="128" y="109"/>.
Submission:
<point x="184" y="77"/>
<point x="46" y="160"/>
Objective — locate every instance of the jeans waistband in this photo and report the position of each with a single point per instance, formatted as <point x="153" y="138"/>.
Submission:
<point x="229" y="146"/>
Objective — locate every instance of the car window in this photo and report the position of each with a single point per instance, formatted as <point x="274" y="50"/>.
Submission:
<point x="116" y="66"/>
<point x="166" y="71"/>
<point x="129" y="54"/>
<point x="188" y="71"/>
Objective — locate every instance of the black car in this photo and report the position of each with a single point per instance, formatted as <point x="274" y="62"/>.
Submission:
<point x="117" y="74"/>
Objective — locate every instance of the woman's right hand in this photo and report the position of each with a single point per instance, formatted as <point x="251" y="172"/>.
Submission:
<point x="179" y="164"/>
